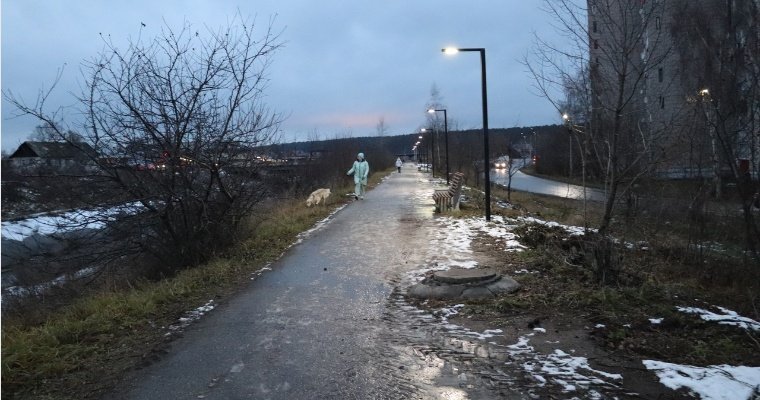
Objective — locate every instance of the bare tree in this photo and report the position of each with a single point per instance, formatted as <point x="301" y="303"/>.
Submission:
<point x="174" y="121"/>
<point x="720" y="56"/>
<point x="381" y="129"/>
<point x="50" y="133"/>
<point x="435" y="122"/>
<point x="615" y="49"/>
<point x="313" y="135"/>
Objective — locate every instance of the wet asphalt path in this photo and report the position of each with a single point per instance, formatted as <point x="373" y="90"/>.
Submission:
<point x="327" y="322"/>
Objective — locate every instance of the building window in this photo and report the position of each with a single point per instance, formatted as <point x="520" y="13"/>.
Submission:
<point x="594" y="26"/>
<point x="657" y="23"/>
<point x="596" y="44"/>
<point x="662" y="101"/>
<point x="660" y="75"/>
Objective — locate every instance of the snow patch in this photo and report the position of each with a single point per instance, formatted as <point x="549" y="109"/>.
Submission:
<point x="715" y="382"/>
<point x="727" y="318"/>
<point x="70" y="221"/>
<point x="319" y="225"/>
<point x="190" y="317"/>
<point x="450" y="246"/>
<point x="570" y="229"/>
<point x="565" y="370"/>
<point x="41" y="288"/>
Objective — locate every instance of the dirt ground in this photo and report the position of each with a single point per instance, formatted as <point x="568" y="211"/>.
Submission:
<point x="610" y="325"/>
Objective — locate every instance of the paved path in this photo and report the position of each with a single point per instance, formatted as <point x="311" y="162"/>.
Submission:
<point x="328" y="321"/>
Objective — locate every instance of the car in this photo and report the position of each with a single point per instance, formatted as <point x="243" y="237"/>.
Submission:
<point x="147" y="166"/>
<point x="501" y="162"/>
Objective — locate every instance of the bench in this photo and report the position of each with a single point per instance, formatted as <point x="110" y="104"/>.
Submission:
<point x="449" y="198"/>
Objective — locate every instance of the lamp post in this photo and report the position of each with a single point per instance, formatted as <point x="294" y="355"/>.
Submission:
<point x="569" y="124"/>
<point x="446" y="137"/>
<point x="432" y="146"/>
<point x="420" y="151"/>
<point x="486" y="160"/>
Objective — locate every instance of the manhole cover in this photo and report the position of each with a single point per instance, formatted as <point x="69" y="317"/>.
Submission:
<point x="461" y="275"/>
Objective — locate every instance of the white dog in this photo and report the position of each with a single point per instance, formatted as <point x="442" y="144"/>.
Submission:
<point x="316" y="196"/>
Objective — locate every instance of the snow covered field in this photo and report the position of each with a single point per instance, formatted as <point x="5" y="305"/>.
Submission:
<point x="50" y="224"/>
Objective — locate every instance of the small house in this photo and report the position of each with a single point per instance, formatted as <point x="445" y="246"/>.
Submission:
<point x="56" y="156"/>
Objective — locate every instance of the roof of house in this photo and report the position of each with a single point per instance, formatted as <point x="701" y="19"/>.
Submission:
<point x="54" y="150"/>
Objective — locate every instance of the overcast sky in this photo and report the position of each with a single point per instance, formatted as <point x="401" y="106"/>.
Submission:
<point x="345" y="64"/>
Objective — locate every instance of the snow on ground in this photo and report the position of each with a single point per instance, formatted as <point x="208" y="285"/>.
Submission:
<point x="570" y="229"/>
<point x="715" y="382"/>
<point x="190" y="317"/>
<point x="450" y="244"/>
<point x="572" y="373"/>
<point x="567" y="371"/>
<point x="450" y="247"/>
<point x="727" y="318"/>
<point x="319" y="225"/>
<point x="443" y="317"/>
<point x="95" y="218"/>
<point x="23" y="291"/>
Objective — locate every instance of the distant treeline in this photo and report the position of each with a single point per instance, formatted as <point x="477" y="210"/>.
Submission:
<point x="549" y="143"/>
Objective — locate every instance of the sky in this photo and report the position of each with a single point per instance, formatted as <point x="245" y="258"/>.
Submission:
<point x="345" y="65"/>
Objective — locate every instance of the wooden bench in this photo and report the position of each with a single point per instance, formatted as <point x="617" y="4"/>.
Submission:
<point x="449" y="198"/>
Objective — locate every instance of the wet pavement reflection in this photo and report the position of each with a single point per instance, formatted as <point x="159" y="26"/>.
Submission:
<point x="330" y="321"/>
<point x="533" y="184"/>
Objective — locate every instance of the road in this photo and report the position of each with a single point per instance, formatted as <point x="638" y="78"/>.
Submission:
<point x="329" y="321"/>
<point x="528" y="183"/>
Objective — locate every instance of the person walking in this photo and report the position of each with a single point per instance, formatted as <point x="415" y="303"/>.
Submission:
<point x="399" y="163"/>
<point x="360" y="171"/>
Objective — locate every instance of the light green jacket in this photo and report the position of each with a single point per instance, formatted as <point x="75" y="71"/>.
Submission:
<point x="360" y="170"/>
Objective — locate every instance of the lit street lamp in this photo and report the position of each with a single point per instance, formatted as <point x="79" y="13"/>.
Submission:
<point x="569" y="124"/>
<point x="446" y="137"/>
<point x="423" y="151"/>
<point x="432" y="147"/>
<point x="486" y="160"/>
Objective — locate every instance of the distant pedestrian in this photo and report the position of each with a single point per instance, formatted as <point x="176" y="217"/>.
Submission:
<point x="399" y="163"/>
<point x="360" y="171"/>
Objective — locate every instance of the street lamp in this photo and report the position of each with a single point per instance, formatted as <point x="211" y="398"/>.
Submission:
<point x="446" y="137"/>
<point x="419" y="152"/>
<point x="487" y="162"/>
<point x="432" y="147"/>
<point x="569" y="124"/>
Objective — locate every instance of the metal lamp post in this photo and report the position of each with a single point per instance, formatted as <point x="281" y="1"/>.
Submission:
<point x="432" y="146"/>
<point x="486" y="160"/>
<point x="420" y="151"/>
<point x="569" y="125"/>
<point x="446" y="138"/>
